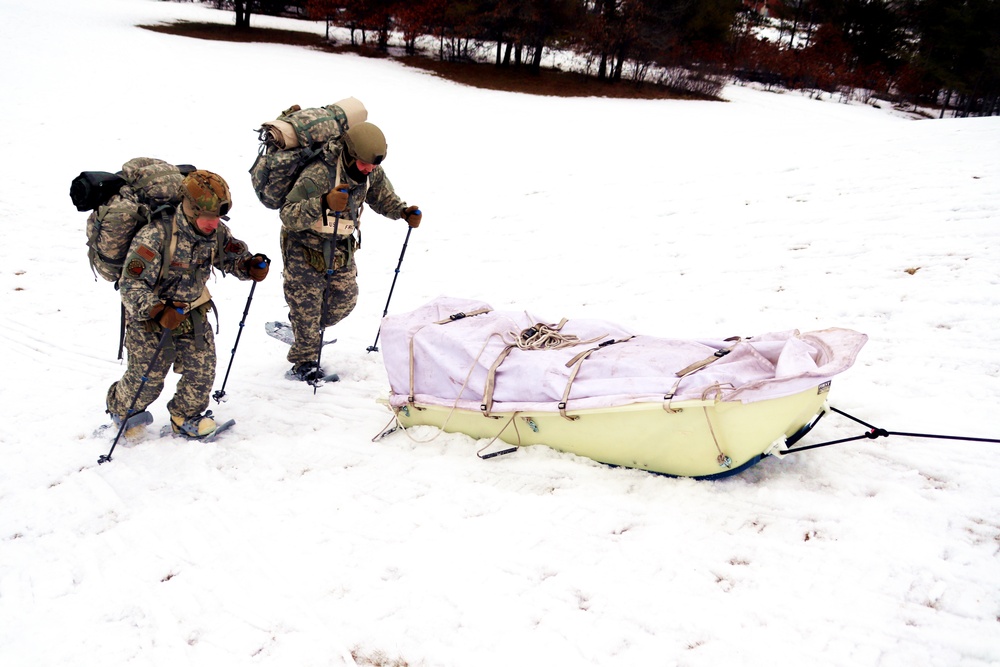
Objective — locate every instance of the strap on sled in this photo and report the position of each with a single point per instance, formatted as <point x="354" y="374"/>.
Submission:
<point x="697" y="366"/>
<point x="454" y="317"/>
<point x="538" y="337"/>
<point x="575" y="363"/>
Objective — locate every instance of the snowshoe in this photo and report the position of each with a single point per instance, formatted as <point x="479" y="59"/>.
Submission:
<point x="283" y="331"/>
<point x="195" y="428"/>
<point x="135" y="426"/>
<point x="310" y="372"/>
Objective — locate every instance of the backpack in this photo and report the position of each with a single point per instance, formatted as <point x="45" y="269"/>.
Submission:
<point x="123" y="203"/>
<point x="292" y="140"/>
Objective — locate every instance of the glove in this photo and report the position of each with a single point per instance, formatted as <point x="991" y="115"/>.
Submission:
<point x="413" y="216"/>
<point x="336" y="199"/>
<point x="167" y="317"/>
<point x="258" y="266"/>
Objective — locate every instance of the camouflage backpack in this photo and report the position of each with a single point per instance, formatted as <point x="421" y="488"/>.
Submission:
<point x="121" y="204"/>
<point x="293" y="140"/>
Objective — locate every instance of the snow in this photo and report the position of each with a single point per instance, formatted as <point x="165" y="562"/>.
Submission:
<point x="297" y="540"/>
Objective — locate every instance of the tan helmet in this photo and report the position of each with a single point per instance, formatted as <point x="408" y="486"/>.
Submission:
<point x="365" y="142"/>
<point x="207" y="193"/>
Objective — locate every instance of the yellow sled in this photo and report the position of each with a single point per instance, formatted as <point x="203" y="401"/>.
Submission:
<point x="688" y="408"/>
<point x="691" y="438"/>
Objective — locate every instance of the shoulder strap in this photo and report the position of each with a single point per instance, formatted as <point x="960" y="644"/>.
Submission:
<point x="165" y="214"/>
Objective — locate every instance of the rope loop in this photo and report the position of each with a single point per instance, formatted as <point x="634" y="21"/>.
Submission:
<point x="542" y="336"/>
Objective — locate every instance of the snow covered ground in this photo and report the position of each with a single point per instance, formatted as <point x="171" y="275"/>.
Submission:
<point x="296" y="540"/>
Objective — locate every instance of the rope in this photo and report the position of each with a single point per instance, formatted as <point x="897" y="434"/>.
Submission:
<point x="539" y="336"/>
<point x="548" y="337"/>
<point x="875" y="432"/>
<point x="501" y="452"/>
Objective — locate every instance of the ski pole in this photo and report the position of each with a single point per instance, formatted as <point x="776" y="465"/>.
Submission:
<point x="142" y="385"/>
<point x="315" y="382"/>
<point x="374" y="346"/>
<point x="218" y="395"/>
<point x="331" y="261"/>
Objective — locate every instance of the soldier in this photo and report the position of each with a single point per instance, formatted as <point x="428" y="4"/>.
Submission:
<point x="178" y="300"/>
<point x="319" y="234"/>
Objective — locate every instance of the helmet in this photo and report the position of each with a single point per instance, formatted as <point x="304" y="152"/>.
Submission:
<point x="207" y="193"/>
<point x="365" y="142"/>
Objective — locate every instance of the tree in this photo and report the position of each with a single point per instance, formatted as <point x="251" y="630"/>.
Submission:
<point x="325" y="10"/>
<point x="243" y="10"/>
<point x="874" y="31"/>
<point x="959" y="51"/>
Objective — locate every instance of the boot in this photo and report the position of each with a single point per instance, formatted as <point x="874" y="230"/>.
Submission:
<point x="307" y="371"/>
<point x="135" y="426"/>
<point x="199" y="426"/>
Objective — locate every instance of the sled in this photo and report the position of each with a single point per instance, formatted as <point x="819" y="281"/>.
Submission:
<point x="702" y="409"/>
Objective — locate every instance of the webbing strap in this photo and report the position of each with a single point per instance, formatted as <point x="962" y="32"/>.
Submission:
<point x="170" y="243"/>
<point x="198" y="327"/>
<point x="454" y="317"/>
<point x="537" y="337"/>
<point x="575" y="363"/>
<point x="121" y="334"/>
<point x="491" y="381"/>
<point x="451" y="318"/>
<point x="328" y="250"/>
<point x="695" y="367"/>
<point x="698" y="365"/>
<point x="409" y="399"/>
<point x="166" y="214"/>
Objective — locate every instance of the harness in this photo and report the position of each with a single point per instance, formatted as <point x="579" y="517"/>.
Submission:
<point x="334" y="235"/>
<point x="164" y="216"/>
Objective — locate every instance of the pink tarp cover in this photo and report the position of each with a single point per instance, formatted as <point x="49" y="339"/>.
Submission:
<point x="454" y="358"/>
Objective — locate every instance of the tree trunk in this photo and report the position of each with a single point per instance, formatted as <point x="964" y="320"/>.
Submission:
<point x="242" y="8"/>
<point x="536" y="59"/>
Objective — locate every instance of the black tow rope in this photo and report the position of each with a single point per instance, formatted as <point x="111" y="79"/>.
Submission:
<point x="875" y="432"/>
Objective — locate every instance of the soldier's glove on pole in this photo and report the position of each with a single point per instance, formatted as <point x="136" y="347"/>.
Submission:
<point x="336" y="199"/>
<point x="413" y="216"/>
<point x="258" y="266"/>
<point x="167" y="315"/>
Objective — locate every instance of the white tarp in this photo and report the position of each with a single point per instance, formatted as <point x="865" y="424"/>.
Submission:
<point x="451" y="362"/>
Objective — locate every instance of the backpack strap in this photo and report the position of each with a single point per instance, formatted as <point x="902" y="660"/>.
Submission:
<point x="121" y="334"/>
<point x="169" y="245"/>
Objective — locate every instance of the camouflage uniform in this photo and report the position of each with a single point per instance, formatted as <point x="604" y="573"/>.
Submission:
<point x="320" y="275"/>
<point x="191" y="351"/>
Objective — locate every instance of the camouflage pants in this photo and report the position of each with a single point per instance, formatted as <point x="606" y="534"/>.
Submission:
<point x="316" y="299"/>
<point x="192" y="357"/>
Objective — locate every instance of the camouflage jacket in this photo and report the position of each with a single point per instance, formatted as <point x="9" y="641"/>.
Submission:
<point x="191" y="264"/>
<point x="304" y="205"/>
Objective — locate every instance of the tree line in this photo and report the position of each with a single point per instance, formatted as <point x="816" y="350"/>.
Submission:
<point x="931" y="53"/>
